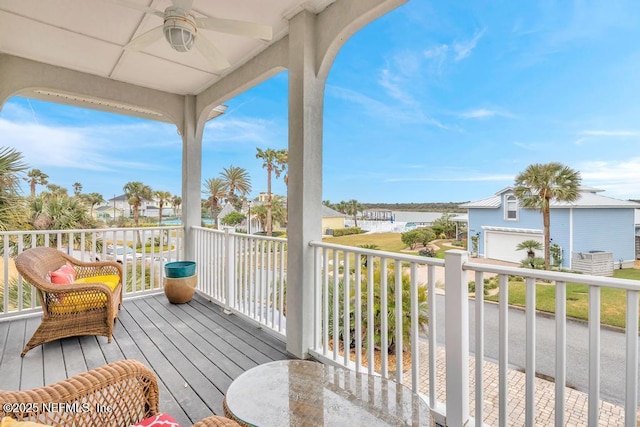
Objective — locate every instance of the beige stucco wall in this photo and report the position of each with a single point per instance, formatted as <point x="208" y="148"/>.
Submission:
<point x="332" y="223"/>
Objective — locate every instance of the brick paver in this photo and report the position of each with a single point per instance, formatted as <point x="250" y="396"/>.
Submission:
<point x="576" y="402"/>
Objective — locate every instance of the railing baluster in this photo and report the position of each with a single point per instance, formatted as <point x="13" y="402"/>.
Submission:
<point x="370" y="324"/>
<point x="336" y="309"/>
<point x="631" y="389"/>
<point x="383" y="318"/>
<point x="347" y="308"/>
<point x="282" y="288"/>
<point x="530" y="382"/>
<point x="433" y="346"/>
<point x="325" y="301"/>
<point x="561" y="351"/>
<point x="415" y="340"/>
<point x="503" y="350"/>
<point x="399" y="313"/>
<point x="479" y="389"/>
<point x="317" y="295"/>
<point x="594" y="355"/>
<point x="358" y="311"/>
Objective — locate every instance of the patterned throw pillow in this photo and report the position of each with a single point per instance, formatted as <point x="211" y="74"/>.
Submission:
<point x="64" y="275"/>
<point x="159" y="420"/>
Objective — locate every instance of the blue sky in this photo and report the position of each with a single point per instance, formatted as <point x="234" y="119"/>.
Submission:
<point x="434" y="102"/>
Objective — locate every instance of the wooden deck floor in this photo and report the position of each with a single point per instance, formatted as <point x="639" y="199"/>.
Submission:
<point x="195" y="349"/>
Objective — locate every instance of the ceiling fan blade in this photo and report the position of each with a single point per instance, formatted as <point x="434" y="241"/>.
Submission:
<point x="211" y="52"/>
<point x="183" y="4"/>
<point x="145" y="39"/>
<point x="240" y="28"/>
<point x="136" y="6"/>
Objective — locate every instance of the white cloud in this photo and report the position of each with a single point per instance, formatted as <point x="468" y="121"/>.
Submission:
<point x="381" y="110"/>
<point x="621" y="133"/>
<point x="481" y="113"/>
<point x="620" y="178"/>
<point x="460" y="178"/>
<point x="249" y="130"/>
<point x="464" y="49"/>
<point x="45" y="146"/>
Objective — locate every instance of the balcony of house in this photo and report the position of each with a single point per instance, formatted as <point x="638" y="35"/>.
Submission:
<point x="421" y="322"/>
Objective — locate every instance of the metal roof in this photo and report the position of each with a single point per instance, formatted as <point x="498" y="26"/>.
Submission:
<point x="589" y="198"/>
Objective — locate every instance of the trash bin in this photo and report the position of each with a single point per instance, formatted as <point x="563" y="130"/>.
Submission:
<point x="180" y="281"/>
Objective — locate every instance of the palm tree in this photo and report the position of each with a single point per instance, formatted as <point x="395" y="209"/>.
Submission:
<point x="539" y="184"/>
<point x="93" y="199"/>
<point x="176" y="201"/>
<point x="36" y="177"/>
<point x="215" y="189"/>
<point x="58" y="212"/>
<point x="273" y="163"/>
<point x="77" y="188"/>
<point x="352" y="208"/>
<point x="235" y="179"/>
<point x="56" y="190"/>
<point x="531" y="246"/>
<point x="136" y="192"/>
<point x="10" y="166"/>
<point x="163" y="197"/>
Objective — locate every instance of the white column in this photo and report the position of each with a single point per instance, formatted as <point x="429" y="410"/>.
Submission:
<point x="306" y="93"/>
<point x="191" y="174"/>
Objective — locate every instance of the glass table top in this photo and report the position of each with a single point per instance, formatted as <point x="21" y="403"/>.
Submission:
<point x="305" y="393"/>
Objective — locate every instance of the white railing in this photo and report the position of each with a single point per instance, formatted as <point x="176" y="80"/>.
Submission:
<point x="629" y="372"/>
<point x="245" y="273"/>
<point x="346" y="276"/>
<point x="143" y="252"/>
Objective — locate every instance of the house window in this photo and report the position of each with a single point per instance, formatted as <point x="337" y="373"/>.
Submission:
<point x="511" y="208"/>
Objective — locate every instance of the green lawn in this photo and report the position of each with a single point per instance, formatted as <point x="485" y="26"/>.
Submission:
<point x="385" y="241"/>
<point x="613" y="301"/>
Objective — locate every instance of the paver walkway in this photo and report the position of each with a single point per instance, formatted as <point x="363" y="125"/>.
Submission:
<point x="576" y="401"/>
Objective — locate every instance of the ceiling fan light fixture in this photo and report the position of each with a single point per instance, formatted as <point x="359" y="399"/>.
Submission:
<point x="179" y="30"/>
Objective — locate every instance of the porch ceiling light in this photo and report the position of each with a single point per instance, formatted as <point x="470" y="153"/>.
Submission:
<point x="179" y="29"/>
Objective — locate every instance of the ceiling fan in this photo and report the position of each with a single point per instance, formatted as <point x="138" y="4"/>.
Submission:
<point x="181" y="29"/>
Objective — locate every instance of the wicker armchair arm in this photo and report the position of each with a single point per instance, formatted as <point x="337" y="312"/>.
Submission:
<point x="126" y="391"/>
<point x="216" y="421"/>
<point x="85" y="296"/>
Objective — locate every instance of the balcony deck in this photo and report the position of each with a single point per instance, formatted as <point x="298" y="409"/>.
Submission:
<point x="195" y="349"/>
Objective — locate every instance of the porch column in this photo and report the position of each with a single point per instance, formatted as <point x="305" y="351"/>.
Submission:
<point x="306" y="97"/>
<point x="191" y="174"/>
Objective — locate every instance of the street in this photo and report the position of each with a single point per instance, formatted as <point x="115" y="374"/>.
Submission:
<point x="612" y="355"/>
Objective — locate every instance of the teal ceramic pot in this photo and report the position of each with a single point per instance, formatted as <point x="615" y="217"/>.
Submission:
<point x="180" y="269"/>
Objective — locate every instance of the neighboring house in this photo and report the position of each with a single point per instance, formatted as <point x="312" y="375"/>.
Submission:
<point x="146" y="210"/>
<point x="226" y="210"/>
<point x="331" y="219"/>
<point x="107" y="212"/>
<point x="592" y="223"/>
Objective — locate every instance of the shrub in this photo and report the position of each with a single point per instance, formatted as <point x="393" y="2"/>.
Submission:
<point x="411" y="238"/>
<point x="347" y="231"/>
<point x="428" y="252"/>
<point x="536" y="263"/>
<point x="377" y="312"/>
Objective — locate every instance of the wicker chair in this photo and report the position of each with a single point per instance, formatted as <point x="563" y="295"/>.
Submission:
<point x="73" y="309"/>
<point x="127" y="388"/>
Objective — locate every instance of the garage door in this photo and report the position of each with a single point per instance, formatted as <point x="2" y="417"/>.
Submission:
<point x="502" y="245"/>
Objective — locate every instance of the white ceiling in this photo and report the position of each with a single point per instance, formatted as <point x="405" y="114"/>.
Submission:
<point x="89" y="35"/>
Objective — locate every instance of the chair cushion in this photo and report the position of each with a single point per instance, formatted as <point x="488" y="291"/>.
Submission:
<point x="74" y="302"/>
<point x="111" y="280"/>
<point x="10" y="422"/>
<point x="64" y="275"/>
<point x="159" y="420"/>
